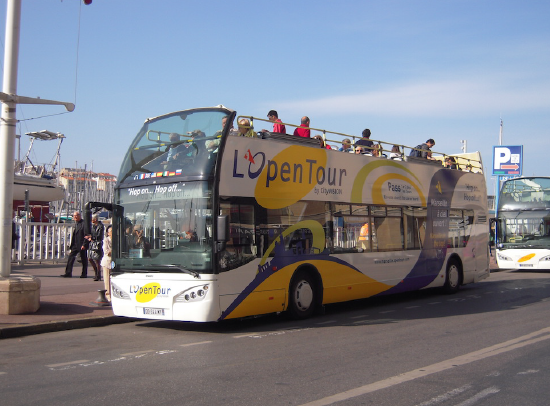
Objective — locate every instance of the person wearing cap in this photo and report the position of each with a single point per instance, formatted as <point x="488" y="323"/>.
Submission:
<point x="278" y="126"/>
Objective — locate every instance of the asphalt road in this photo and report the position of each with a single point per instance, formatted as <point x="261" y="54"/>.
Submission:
<point x="487" y="345"/>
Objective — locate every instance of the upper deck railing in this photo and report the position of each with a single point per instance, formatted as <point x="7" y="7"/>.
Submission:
<point x="470" y="162"/>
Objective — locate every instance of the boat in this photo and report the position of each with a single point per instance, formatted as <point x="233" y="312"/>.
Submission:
<point x="37" y="183"/>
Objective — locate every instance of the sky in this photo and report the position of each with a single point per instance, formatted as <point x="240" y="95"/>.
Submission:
<point x="407" y="70"/>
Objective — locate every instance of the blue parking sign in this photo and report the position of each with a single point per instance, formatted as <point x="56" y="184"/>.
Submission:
<point x="507" y="160"/>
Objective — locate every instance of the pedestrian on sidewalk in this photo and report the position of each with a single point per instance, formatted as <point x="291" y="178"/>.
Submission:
<point x="79" y="246"/>
<point x="106" y="261"/>
<point x="95" y="241"/>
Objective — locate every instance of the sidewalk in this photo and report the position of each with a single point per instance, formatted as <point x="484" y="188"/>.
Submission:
<point x="65" y="303"/>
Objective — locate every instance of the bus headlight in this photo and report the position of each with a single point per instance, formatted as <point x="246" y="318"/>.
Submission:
<point x="503" y="257"/>
<point x="119" y="293"/>
<point x="193" y="294"/>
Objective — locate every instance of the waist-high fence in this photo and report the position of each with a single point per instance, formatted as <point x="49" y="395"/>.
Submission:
<point x="41" y="242"/>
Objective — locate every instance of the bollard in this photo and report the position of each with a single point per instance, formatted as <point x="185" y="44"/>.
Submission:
<point x="101" y="299"/>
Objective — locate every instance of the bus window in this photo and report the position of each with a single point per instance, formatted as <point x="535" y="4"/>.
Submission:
<point x="414" y="225"/>
<point x="388" y="229"/>
<point x="241" y="247"/>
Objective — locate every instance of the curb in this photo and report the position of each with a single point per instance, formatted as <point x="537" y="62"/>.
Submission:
<point x="53" y="326"/>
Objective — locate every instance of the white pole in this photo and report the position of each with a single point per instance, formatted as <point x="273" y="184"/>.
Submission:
<point x="7" y="133"/>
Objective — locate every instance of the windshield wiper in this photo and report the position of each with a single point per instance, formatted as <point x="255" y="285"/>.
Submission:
<point x="179" y="268"/>
<point x="195" y="274"/>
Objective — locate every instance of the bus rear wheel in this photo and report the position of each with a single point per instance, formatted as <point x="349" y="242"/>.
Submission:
<point x="302" y="294"/>
<point x="453" y="277"/>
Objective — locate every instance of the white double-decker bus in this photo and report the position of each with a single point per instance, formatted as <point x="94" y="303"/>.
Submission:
<point x="209" y="225"/>
<point x="523" y="224"/>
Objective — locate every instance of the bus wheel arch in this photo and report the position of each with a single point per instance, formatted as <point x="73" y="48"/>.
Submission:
<point x="305" y="292"/>
<point x="454" y="275"/>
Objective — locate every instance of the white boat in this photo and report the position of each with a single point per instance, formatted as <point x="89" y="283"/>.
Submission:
<point x="40" y="180"/>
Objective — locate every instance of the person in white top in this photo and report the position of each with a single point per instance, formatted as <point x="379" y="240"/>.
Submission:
<point x="106" y="261"/>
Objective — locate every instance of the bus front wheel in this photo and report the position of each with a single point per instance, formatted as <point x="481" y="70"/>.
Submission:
<point x="453" y="277"/>
<point x="302" y="296"/>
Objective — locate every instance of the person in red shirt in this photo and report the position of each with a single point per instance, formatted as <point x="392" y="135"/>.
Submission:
<point x="278" y="126"/>
<point x="303" y="131"/>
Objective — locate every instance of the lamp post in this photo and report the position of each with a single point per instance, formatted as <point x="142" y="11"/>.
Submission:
<point x="17" y="294"/>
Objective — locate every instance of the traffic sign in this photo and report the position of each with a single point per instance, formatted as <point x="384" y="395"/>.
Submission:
<point x="507" y="160"/>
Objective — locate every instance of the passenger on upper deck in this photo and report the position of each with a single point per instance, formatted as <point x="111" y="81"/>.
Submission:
<point x="346" y="146"/>
<point x="174" y="151"/>
<point x="423" y="150"/>
<point x="365" y="141"/>
<point x="322" y="142"/>
<point x="212" y="145"/>
<point x="450" y="163"/>
<point x="245" y="129"/>
<point x="301" y="131"/>
<point x="395" y="153"/>
<point x="278" y="127"/>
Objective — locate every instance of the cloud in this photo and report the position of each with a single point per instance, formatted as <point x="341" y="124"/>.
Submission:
<point x="444" y="98"/>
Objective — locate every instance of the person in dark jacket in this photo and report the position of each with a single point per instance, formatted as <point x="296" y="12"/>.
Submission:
<point x="79" y="245"/>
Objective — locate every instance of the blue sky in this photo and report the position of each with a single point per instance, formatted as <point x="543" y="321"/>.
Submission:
<point x="408" y="70"/>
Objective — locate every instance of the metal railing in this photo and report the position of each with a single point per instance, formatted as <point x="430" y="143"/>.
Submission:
<point x="383" y="148"/>
<point x="41" y="242"/>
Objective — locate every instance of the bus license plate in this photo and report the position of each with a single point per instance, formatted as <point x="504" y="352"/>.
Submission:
<point x="153" y="312"/>
<point x="525" y="265"/>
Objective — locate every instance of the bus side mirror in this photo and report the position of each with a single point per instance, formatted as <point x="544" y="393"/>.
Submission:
<point x="223" y="232"/>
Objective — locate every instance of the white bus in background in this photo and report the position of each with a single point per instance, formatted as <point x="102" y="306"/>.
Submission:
<point x="244" y="226"/>
<point x="523" y="224"/>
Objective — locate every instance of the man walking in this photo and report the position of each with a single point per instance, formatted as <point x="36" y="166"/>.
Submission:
<point x="79" y="245"/>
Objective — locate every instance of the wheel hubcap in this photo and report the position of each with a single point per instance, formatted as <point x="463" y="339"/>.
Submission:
<point x="454" y="276"/>
<point x="303" y="295"/>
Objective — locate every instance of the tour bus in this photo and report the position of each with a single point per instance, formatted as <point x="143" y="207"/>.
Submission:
<point x="209" y="225"/>
<point x="523" y="224"/>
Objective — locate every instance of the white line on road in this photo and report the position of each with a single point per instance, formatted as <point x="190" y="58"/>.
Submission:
<point x="506" y="346"/>
<point x="326" y="322"/>
<point x="67" y="363"/>
<point x="446" y="396"/>
<point x="199" y="343"/>
<point x="129" y="354"/>
<point x="479" y="396"/>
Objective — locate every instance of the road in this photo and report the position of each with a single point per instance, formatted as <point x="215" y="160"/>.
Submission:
<point x="489" y="344"/>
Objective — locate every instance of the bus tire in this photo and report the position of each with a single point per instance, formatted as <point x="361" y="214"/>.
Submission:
<point x="453" y="276"/>
<point x="302" y="295"/>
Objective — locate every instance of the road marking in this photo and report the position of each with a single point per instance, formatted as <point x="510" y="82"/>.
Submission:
<point x="529" y="371"/>
<point x="412" y="307"/>
<point x="68" y="363"/>
<point x="446" y="396"/>
<point x="496" y="349"/>
<point x="199" y="343"/>
<point x="386" y="311"/>
<point x="479" y="396"/>
<point x="3" y="373"/>
<point x="434" y="303"/>
<point x="326" y="322"/>
<point x="247" y="335"/>
<point x="360" y="317"/>
<point x="130" y="354"/>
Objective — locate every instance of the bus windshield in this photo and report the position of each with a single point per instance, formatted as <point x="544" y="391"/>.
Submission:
<point x="524" y="213"/>
<point x="177" y="144"/>
<point x="165" y="227"/>
<point x="524" y="229"/>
